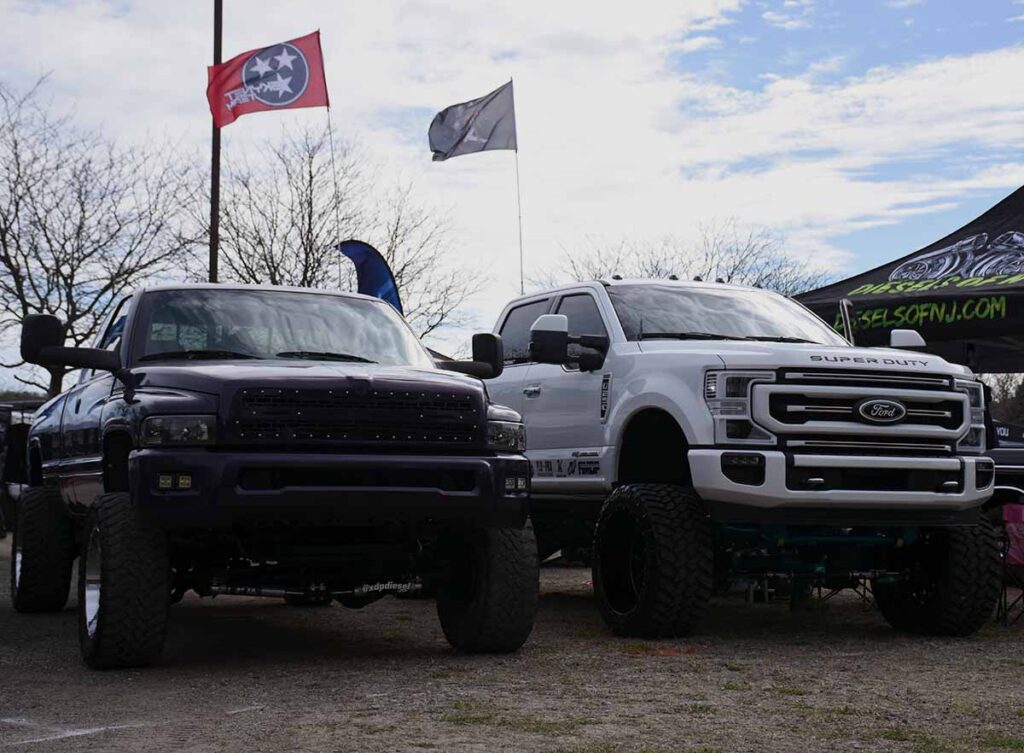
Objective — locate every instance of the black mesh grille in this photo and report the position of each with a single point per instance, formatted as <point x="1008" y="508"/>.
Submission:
<point x="375" y="417"/>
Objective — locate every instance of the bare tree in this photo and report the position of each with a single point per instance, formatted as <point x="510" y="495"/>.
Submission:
<point x="278" y="222"/>
<point x="82" y="220"/>
<point x="282" y="220"/>
<point x="724" y="251"/>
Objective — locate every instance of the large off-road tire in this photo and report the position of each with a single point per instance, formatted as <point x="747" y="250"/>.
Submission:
<point x="653" y="562"/>
<point x="124" y="586"/>
<point x="487" y="597"/>
<point x="42" y="552"/>
<point x="954" y="585"/>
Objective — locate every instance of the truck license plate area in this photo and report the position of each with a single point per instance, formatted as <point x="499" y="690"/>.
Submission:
<point x="875" y="480"/>
<point x="271" y="479"/>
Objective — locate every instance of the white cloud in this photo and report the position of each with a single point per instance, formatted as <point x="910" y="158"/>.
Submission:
<point x="693" y="44"/>
<point x="784" y="21"/>
<point x="614" y="142"/>
<point x="898" y="4"/>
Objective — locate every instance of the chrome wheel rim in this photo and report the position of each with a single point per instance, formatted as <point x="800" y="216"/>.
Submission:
<point x="17" y="567"/>
<point x="93" y="584"/>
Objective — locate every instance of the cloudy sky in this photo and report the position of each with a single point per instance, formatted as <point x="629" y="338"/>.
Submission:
<point x="860" y="129"/>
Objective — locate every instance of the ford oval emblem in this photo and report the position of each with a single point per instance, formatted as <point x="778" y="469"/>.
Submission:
<point x="882" y="411"/>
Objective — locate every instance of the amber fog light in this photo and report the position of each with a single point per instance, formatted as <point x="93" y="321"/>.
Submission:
<point x="745" y="468"/>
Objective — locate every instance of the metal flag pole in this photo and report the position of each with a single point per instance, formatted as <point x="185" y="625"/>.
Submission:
<point x="519" y="198"/>
<point x="519" y="207"/>
<point x="218" y="28"/>
<point x="337" y="193"/>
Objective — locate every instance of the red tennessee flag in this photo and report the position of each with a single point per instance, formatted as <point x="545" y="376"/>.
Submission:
<point x="279" y="77"/>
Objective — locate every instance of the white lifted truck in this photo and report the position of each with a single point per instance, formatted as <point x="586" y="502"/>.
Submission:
<point x="696" y="435"/>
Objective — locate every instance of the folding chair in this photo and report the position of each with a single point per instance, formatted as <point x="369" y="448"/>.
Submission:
<point x="1012" y="599"/>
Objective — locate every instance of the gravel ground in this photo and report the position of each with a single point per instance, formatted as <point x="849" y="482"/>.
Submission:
<point x="255" y="675"/>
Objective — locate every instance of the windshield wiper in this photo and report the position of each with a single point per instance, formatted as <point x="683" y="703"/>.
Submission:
<point x="315" y="355"/>
<point x="780" y="339"/>
<point x="195" y="355"/>
<point x="689" y="336"/>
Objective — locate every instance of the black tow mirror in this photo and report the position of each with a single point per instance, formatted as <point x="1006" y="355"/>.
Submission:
<point x="488" y="358"/>
<point x="549" y="339"/>
<point x="42" y="343"/>
<point x="488" y="349"/>
<point x="40" y="332"/>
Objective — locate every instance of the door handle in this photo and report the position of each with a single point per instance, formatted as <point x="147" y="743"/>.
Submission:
<point x="532" y="391"/>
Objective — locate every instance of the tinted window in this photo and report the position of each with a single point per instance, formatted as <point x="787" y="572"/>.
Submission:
<point x="650" y="311"/>
<point x="515" y="332"/>
<point x="267" y="324"/>
<point x="584" y="318"/>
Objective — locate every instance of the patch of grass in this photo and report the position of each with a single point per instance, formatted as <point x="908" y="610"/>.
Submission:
<point x="441" y="674"/>
<point x="403" y="617"/>
<point x="920" y="742"/>
<point x="539" y="726"/>
<point x="734" y="667"/>
<point x="699" y="709"/>
<point x="1020" y="713"/>
<point x="1005" y="743"/>
<point x="964" y="708"/>
<point x="791" y="691"/>
<point x="646" y="649"/>
<point x="730" y="685"/>
<point x="466" y="713"/>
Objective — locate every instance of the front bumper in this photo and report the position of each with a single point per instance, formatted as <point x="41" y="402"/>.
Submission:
<point x="840" y="487"/>
<point x="304" y="488"/>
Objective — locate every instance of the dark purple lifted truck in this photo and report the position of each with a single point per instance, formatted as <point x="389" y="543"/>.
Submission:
<point x="272" y="442"/>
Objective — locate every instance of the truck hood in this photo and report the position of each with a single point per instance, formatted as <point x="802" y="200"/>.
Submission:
<point x="221" y="377"/>
<point x="769" y="355"/>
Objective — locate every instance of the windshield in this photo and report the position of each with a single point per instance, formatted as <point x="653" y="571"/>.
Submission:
<point x="671" y="311"/>
<point x="194" y="324"/>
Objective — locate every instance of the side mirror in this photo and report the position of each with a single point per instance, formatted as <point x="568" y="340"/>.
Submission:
<point x="488" y="358"/>
<point x="39" y="332"/>
<point x="906" y="338"/>
<point x="549" y="339"/>
<point x="42" y="343"/>
<point x="487" y="348"/>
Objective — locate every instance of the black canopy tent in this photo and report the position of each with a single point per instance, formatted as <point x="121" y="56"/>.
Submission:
<point x="964" y="293"/>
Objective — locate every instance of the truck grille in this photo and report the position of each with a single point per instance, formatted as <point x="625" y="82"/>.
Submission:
<point x="817" y="412"/>
<point x="346" y="417"/>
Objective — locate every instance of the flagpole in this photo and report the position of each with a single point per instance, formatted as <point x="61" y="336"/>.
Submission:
<point x="519" y="207"/>
<point x="218" y="28"/>
<point x="337" y="193"/>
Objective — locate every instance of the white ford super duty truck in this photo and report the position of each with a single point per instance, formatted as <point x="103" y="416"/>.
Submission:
<point x="696" y="435"/>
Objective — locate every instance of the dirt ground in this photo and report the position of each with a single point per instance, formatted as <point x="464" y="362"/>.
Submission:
<point x="255" y="675"/>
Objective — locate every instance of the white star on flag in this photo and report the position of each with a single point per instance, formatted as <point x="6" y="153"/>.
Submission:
<point x="284" y="60"/>
<point x="261" y="66"/>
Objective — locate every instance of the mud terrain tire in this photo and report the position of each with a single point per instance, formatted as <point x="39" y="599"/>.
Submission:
<point x="124" y="586"/>
<point x="653" y="565"/>
<point x="487" y="597"/>
<point x="955" y="585"/>
<point x="42" y="552"/>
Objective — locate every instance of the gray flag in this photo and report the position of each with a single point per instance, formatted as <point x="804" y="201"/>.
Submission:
<point x="475" y="126"/>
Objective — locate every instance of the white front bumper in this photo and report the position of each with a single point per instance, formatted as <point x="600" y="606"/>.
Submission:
<point x="712" y="484"/>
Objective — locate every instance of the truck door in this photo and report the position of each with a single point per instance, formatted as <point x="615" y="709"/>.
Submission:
<point x="82" y="424"/>
<point x="563" y="410"/>
<point x="507" y="389"/>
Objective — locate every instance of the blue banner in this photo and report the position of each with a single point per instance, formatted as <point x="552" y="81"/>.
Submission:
<point x="372" y="272"/>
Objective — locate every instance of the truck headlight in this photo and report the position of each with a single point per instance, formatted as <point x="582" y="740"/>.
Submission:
<point x="727" y="394"/>
<point x="505" y="430"/>
<point x="974" y="440"/>
<point x="178" y="431"/>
